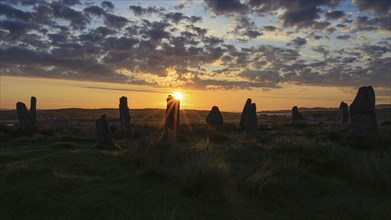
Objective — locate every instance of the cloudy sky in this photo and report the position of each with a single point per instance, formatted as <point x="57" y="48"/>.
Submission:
<point x="280" y="53"/>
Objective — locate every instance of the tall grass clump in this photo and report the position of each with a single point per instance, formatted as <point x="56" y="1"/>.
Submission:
<point x="201" y="173"/>
<point x="372" y="169"/>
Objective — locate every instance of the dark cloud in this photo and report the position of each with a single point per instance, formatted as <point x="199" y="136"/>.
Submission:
<point x="15" y="28"/>
<point x="344" y="37"/>
<point x="298" y="42"/>
<point x="107" y="5"/>
<point x="335" y="15"/>
<point x="376" y="6"/>
<point x="225" y="6"/>
<point x="11" y="12"/>
<point x="139" y="11"/>
<point x="245" y="29"/>
<point x="176" y="17"/>
<point x="297" y="13"/>
<point x="61" y="66"/>
<point x="115" y="21"/>
<point x="270" y="28"/>
<point x="77" y="19"/>
<point x="71" y="2"/>
<point x="94" y="10"/>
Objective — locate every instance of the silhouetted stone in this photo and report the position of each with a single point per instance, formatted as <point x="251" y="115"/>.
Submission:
<point x="343" y="113"/>
<point x="103" y="133"/>
<point x="124" y="114"/>
<point x="172" y="118"/>
<point x="363" y="120"/>
<point x="24" y="117"/>
<point x="248" y="119"/>
<point x="33" y="109"/>
<point x="214" y="117"/>
<point x="297" y="116"/>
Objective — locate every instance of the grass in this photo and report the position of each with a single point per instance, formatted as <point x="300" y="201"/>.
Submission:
<point x="280" y="172"/>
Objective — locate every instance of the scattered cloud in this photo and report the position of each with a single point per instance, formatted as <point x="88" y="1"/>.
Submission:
<point x="264" y="44"/>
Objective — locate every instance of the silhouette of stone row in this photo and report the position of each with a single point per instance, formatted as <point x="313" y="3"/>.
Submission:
<point x="362" y="111"/>
<point x="297" y="116"/>
<point x="248" y="119"/>
<point x="343" y="113"/>
<point x="103" y="133"/>
<point x="172" y="120"/>
<point x="124" y="114"/>
<point x="214" y="118"/>
<point x="27" y="120"/>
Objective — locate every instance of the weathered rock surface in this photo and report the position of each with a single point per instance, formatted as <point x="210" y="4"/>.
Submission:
<point x="172" y="114"/>
<point x="343" y="113"/>
<point x="248" y="119"/>
<point x="363" y="120"/>
<point x="103" y="133"/>
<point x="124" y="114"/>
<point x="214" y="117"/>
<point x="33" y="109"/>
<point x="297" y="116"/>
<point x="25" y="121"/>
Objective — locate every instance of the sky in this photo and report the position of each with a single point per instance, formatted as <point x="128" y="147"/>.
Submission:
<point x="280" y="53"/>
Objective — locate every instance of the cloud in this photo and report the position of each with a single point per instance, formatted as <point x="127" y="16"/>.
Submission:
<point x="344" y="37"/>
<point x="107" y="5"/>
<point x="77" y="19"/>
<point x="115" y="21"/>
<point x="15" y="28"/>
<point x="225" y="6"/>
<point x="332" y="15"/>
<point x="94" y="10"/>
<point x="375" y="6"/>
<point x="270" y="28"/>
<point x="123" y="89"/>
<point x="298" y="42"/>
<point x="163" y="47"/>
<point x="140" y="11"/>
<point x="11" y="12"/>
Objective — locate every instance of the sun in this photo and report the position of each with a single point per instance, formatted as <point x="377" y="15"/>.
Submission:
<point x="178" y="95"/>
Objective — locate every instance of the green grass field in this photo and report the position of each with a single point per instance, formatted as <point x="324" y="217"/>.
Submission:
<point x="280" y="172"/>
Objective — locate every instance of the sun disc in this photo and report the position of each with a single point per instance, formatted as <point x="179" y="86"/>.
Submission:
<point x="178" y="95"/>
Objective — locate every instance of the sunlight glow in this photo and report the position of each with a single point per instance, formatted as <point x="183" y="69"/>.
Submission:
<point x="178" y="95"/>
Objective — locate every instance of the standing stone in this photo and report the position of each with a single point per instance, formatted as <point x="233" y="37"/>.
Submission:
<point x="172" y="119"/>
<point x="124" y="114"/>
<point x="343" y="113"/>
<point x="103" y="132"/>
<point x="297" y="116"/>
<point x="363" y="120"/>
<point x="25" y="121"/>
<point x="253" y="125"/>
<point x="33" y="109"/>
<point x="249" y="120"/>
<point x="214" y="117"/>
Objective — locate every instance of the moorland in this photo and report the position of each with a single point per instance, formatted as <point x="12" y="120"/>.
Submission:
<point x="311" y="170"/>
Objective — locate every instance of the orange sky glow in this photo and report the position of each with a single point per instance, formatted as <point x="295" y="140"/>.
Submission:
<point x="53" y="94"/>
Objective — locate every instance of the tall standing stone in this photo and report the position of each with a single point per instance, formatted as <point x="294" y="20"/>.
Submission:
<point x="172" y="117"/>
<point x="103" y="133"/>
<point x="25" y="121"/>
<point x="33" y="109"/>
<point x="253" y="118"/>
<point x="248" y="119"/>
<point x="363" y="120"/>
<point x="214" y="117"/>
<point x="297" y="116"/>
<point x="124" y="114"/>
<point x="343" y="113"/>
